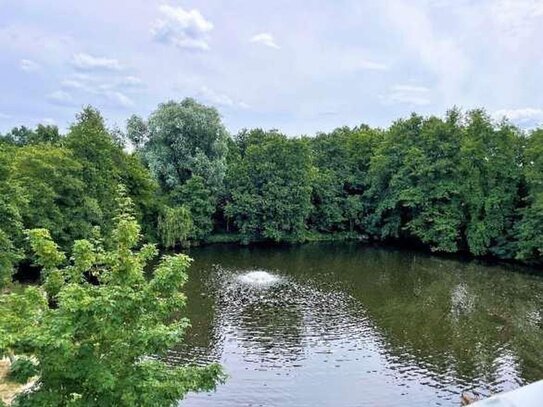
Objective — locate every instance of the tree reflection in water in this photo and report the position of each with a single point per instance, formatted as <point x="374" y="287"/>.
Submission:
<point x="416" y="328"/>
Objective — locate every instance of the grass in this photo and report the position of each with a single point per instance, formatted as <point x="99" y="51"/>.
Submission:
<point x="223" y="238"/>
<point x="309" y="237"/>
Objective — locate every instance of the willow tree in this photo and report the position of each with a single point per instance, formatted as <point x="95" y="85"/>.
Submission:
<point x="174" y="226"/>
<point x="97" y="326"/>
<point x="185" y="146"/>
<point x="182" y="139"/>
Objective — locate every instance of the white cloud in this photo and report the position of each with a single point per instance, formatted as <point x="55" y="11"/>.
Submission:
<point x="131" y="82"/>
<point x="407" y="94"/>
<point x="94" y="84"/>
<point x="37" y="40"/>
<point x="28" y="65"/>
<point x="111" y="90"/>
<point x="219" y="99"/>
<point x="4" y="116"/>
<point x="74" y="84"/>
<point x="430" y="47"/>
<point x="410" y="88"/>
<point x="328" y="113"/>
<point x="521" y="115"/>
<point x="84" y="77"/>
<point x="118" y="99"/>
<point x="182" y="28"/>
<point x="264" y="39"/>
<point x="516" y="17"/>
<point x="86" y="62"/>
<point x="371" y="65"/>
<point x="351" y="70"/>
<point x="61" y="97"/>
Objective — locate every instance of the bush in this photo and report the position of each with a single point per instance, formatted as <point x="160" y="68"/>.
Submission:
<point x="98" y="327"/>
<point x="22" y="369"/>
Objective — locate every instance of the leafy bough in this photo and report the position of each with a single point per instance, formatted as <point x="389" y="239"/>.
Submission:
<point x="97" y="327"/>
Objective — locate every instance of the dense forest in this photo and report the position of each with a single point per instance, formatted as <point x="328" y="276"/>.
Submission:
<point x="87" y="212"/>
<point x="458" y="183"/>
<point x="461" y="183"/>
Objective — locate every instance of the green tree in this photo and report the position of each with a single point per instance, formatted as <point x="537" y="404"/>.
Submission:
<point x="22" y="136"/>
<point x="197" y="197"/>
<point x="54" y="189"/>
<point x="342" y="159"/>
<point x="97" y="326"/>
<point x="18" y="136"/>
<point x="174" y="226"/>
<point x="529" y="230"/>
<point x="270" y="188"/>
<point x="182" y="139"/>
<point x="185" y="145"/>
<point x="46" y="133"/>
<point x="8" y="258"/>
<point x="434" y="196"/>
<point x="491" y="176"/>
<point x="104" y="164"/>
<point x="143" y="190"/>
<point x="353" y="208"/>
<point x="137" y="131"/>
<point x="327" y="214"/>
<point x="12" y="202"/>
<point x="98" y="154"/>
<point x="415" y="183"/>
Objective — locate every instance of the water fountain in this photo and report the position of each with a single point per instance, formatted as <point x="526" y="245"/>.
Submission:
<point x="258" y="278"/>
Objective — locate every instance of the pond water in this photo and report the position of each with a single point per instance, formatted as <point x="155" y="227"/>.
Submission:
<point x="354" y="325"/>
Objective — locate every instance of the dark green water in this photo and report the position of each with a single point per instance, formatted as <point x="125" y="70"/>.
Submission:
<point x="352" y="325"/>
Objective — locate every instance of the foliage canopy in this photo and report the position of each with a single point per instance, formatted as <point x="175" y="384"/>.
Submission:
<point x="97" y="325"/>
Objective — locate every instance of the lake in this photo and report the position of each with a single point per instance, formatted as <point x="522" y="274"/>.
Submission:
<point x="355" y="325"/>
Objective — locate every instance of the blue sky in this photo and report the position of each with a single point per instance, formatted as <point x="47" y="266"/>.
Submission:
<point x="298" y="66"/>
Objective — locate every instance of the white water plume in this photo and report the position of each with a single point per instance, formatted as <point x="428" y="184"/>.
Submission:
<point x="258" y="278"/>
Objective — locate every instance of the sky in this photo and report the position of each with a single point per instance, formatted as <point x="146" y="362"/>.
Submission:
<point x="300" y="66"/>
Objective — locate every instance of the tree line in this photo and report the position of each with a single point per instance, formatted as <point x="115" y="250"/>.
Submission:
<point x="89" y="207"/>
<point x="458" y="183"/>
<point x="95" y="327"/>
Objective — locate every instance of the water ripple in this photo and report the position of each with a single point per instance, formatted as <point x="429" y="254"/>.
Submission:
<point x="286" y="340"/>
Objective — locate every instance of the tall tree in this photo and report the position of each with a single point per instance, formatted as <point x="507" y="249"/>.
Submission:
<point x="200" y="201"/>
<point x="415" y="183"/>
<point x="182" y="139"/>
<point x="104" y="164"/>
<point x="529" y="229"/>
<point x="97" y="326"/>
<point x="270" y="188"/>
<point x="491" y="175"/>
<point x="56" y="193"/>
<point x="342" y="159"/>
<point x="12" y="201"/>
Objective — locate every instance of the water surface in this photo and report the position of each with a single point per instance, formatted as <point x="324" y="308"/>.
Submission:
<point x="353" y="325"/>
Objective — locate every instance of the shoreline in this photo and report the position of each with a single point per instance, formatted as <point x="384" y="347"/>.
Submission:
<point x="463" y="256"/>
